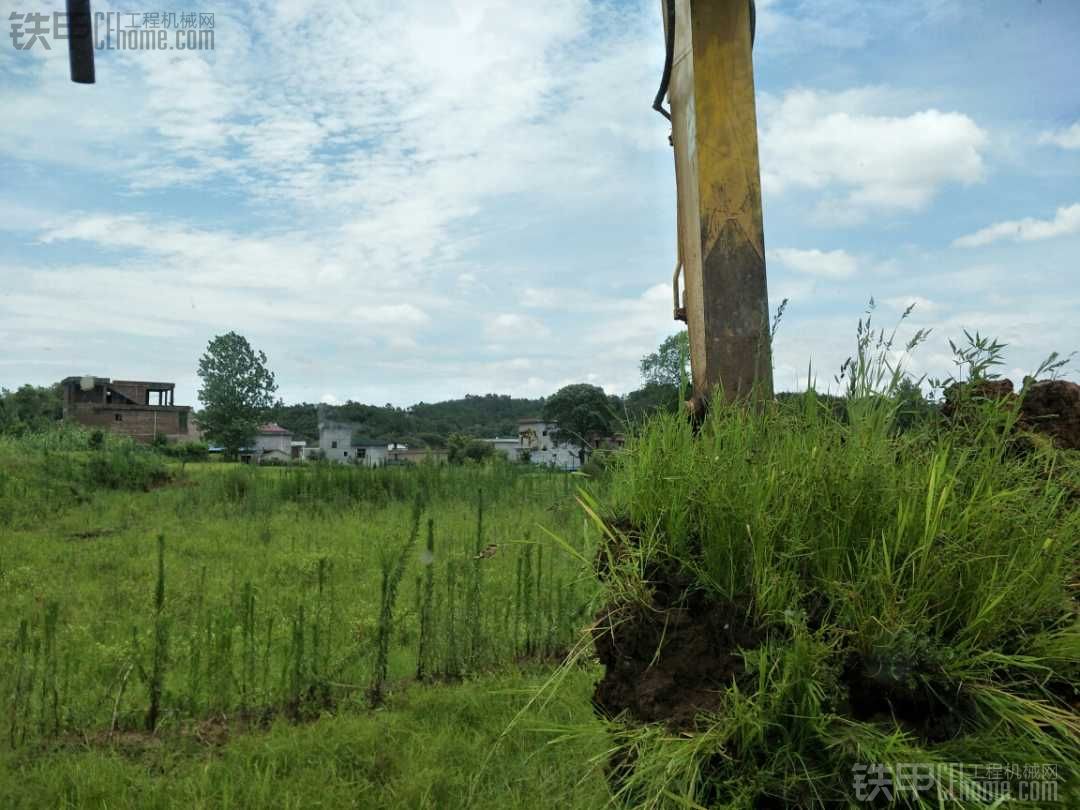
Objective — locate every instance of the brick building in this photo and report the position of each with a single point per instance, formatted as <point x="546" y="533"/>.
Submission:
<point x="136" y="408"/>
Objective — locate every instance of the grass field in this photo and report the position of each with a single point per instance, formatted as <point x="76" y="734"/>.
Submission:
<point x="348" y="631"/>
<point x="780" y="600"/>
<point x="434" y="746"/>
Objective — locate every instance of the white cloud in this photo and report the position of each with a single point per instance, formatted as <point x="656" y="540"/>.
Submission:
<point x="863" y="152"/>
<point x="1067" y="138"/>
<point x="514" y="326"/>
<point x="542" y="297"/>
<point x="1066" y="221"/>
<point x="831" y="264"/>
<point x="918" y="304"/>
<point x="391" y="315"/>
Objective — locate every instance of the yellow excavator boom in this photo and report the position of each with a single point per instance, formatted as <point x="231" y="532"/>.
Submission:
<point x="721" y="240"/>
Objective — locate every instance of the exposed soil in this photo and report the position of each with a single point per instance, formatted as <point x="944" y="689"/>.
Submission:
<point x="1049" y="407"/>
<point x="875" y="693"/>
<point x="1053" y="407"/>
<point x="671" y="660"/>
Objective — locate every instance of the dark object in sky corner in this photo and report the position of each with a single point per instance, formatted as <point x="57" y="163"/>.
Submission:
<point x="80" y="41"/>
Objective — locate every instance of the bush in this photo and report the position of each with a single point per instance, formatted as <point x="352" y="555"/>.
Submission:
<point x="130" y="468"/>
<point x="186" y="451"/>
<point x="464" y="448"/>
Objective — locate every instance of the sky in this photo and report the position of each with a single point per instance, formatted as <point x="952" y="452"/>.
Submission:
<point x="412" y="201"/>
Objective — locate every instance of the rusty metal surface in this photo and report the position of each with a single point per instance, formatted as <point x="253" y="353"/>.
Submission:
<point x="721" y="235"/>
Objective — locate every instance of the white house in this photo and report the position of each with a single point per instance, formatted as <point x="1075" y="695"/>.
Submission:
<point x="335" y="441"/>
<point x="371" y="454"/>
<point x="511" y="448"/>
<point x="537" y="439"/>
<point x="272" y="443"/>
<point x="336" y="444"/>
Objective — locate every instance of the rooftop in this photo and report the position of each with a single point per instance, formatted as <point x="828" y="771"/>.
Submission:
<point x="274" y="429"/>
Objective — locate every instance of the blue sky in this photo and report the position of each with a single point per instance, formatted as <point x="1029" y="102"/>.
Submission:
<point x="416" y="200"/>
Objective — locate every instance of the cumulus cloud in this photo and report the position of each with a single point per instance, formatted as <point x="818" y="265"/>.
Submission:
<point x="863" y="153"/>
<point x="1066" y="221"/>
<point x="1067" y="138"/>
<point x="830" y="264"/>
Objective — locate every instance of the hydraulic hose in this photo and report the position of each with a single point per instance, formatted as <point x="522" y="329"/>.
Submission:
<point x="669" y="54"/>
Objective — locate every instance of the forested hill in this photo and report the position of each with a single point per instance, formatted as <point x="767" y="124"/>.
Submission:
<point x="426" y="423"/>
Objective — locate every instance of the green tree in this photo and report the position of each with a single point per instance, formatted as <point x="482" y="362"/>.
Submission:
<point x="583" y="412"/>
<point x="912" y="407"/>
<point x="30" y="408"/>
<point x="647" y="400"/>
<point x="237" y="391"/>
<point x="669" y="364"/>
<point x="462" y="448"/>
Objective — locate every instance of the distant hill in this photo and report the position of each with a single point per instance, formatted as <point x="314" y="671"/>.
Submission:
<point x="423" y="424"/>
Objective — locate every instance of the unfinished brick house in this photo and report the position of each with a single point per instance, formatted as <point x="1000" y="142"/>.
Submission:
<point x="136" y="408"/>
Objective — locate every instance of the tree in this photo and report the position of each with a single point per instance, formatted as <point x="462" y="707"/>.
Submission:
<point x="237" y="391"/>
<point x="462" y="448"/>
<point x="582" y="412"/>
<point x="670" y="364"/>
<point x="30" y="408"/>
<point x="650" y="398"/>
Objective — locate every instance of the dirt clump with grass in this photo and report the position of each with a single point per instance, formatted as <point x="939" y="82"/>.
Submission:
<point x="1047" y="407"/>
<point x="672" y="659"/>
<point x="1053" y="407"/>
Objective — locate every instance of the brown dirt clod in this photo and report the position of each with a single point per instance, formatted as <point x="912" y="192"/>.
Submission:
<point x="672" y="659"/>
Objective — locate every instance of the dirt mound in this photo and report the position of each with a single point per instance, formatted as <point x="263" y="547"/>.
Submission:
<point x="1049" y="407"/>
<point x="670" y="660"/>
<point x="1052" y="407"/>
<point x="958" y="395"/>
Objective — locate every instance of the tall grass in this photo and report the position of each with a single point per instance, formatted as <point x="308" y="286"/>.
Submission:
<point x="277" y="603"/>
<point x="912" y="594"/>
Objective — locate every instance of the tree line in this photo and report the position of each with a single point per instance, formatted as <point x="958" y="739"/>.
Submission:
<point x="237" y="395"/>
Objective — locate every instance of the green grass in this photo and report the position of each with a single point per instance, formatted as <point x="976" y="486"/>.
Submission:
<point x="882" y="590"/>
<point x="912" y="597"/>
<point x="430" y="747"/>
<point x="268" y="596"/>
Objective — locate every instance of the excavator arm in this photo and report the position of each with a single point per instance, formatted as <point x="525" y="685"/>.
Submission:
<point x="709" y="81"/>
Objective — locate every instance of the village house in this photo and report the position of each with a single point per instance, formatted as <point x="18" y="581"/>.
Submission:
<point x="417" y="455"/>
<point x="536" y="439"/>
<point x="141" y="409"/>
<point x="272" y="443"/>
<point x="337" y="443"/>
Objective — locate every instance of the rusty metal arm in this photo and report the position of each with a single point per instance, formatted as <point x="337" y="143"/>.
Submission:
<point x="721" y="256"/>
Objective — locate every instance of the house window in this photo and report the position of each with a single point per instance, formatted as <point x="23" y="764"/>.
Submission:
<point x="119" y="417"/>
<point x="333" y="445"/>
<point x="183" y="421"/>
<point x="345" y="453"/>
<point x="361" y="452"/>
